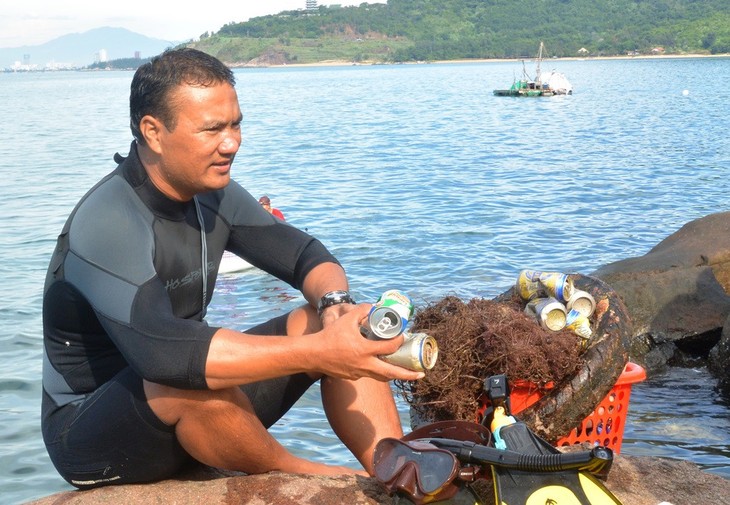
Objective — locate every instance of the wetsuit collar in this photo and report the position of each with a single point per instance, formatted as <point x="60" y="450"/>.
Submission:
<point x="134" y="173"/>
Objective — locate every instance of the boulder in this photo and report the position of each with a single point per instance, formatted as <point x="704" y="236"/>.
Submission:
<point x="677" y="293"/>
<point x="634" y="481"/>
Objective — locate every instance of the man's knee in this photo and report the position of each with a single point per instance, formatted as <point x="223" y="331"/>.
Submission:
<point x="171" y="404"/>
<point x="303" y="321"/>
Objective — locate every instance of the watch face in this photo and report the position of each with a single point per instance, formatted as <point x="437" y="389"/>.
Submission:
<point x="334" y="298"/>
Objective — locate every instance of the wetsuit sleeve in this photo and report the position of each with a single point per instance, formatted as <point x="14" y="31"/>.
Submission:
<point x="281" y="250"/>
<point x="268" y="243"/>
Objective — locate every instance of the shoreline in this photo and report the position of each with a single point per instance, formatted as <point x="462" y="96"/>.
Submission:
<point x="345" y="63"/>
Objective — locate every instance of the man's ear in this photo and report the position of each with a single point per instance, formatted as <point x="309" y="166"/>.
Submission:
<point x="151" y="129"/>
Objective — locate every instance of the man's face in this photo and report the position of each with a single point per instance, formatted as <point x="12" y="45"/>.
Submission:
<point x="197" y="155"/>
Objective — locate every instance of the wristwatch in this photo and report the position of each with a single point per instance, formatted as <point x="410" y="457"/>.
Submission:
<point x="333" y="298"/>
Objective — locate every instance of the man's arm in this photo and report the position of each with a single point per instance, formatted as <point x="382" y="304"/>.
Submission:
<point x="338" y="350"/>
<point x="335" y="349"/>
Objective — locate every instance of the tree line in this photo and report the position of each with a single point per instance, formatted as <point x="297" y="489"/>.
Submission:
<point x="429" y="30"/>
<point x="455" y="29"/>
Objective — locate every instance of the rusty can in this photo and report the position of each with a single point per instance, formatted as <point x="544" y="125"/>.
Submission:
<point x="528" y="285"/>
<point x="419" y="352"/>
<point x="389" y="316"/>
<point x="549" y="312"/>
<point x="582" y="301"/>
<point x="579" y="324"/>
<point x="557" y="285"/>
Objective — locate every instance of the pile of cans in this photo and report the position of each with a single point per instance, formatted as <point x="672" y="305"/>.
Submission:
<point x="555" y="303"/>
<point x="388" y="318"/>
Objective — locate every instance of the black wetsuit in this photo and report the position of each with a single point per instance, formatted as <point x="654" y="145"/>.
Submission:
<point x="123" y="300"/>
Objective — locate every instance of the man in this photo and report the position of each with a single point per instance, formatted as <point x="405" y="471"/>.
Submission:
<point x="265" y="202"/>
<point x="135" y="383"/>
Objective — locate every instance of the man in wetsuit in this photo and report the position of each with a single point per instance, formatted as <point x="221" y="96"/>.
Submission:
<point x="135" y="383"/>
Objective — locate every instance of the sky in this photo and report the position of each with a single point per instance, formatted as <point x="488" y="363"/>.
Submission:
<point x="34" y="22"/>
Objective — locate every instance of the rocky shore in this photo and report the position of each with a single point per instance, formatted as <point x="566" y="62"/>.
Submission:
<point x="677" y="298"/>
<point x="634" y="481"/>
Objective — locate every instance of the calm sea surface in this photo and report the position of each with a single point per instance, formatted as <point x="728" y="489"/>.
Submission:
<point x="418" y="178"/>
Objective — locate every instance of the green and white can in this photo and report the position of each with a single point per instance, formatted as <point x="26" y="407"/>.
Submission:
<point x="389" y="316"/>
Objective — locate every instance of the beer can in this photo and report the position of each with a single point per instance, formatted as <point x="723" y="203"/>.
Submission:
<point x="557" y="285"/>
<point x="579" y="324"/>
<point x="583" y="302"/>
<point x="528" y="285"/>
<point x="549" y="312"/>
<point x="419" y="352"/>
<point x="389" y="316"/>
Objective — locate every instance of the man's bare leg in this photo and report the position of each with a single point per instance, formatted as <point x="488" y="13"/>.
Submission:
<point x="220" y="429"/>
<point x="360" y="412"/>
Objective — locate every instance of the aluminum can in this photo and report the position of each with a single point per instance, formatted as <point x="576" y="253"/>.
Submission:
<point x="389" y="316"/>
<point x="528" y="285"/>
<point x="579" y="324"/>
<point x="419" y="352"/>
<point x="549" y="312"/>
<point x="557" y="285"/>
<point x="582" y="301"/>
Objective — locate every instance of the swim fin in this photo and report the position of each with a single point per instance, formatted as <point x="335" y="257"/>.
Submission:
<point x="561" y="487"/>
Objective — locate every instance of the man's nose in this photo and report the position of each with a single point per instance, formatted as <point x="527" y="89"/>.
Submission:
<point x="229" y="145"/>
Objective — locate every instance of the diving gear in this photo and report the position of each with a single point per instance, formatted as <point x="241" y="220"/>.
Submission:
<point x="419" y="469"/>
<point x="566" y="484"/>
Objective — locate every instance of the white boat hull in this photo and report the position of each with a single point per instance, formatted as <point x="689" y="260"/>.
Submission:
<point x="230" y="264"/>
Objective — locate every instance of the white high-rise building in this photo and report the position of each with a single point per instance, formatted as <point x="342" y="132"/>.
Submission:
<point x="311" y="5"/>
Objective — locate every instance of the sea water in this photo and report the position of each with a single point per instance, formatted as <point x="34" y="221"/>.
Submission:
<point x="418" y="179"/>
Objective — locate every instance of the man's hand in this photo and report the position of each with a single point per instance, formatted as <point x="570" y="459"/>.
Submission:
<point x="344" y="352"/>
<point x="331" y="314"/>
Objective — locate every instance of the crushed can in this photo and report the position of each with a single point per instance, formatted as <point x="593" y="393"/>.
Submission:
<point x="579" y="324"/>
<point x="548" y="312"/>
<point x="528" y="285"/>
<point x="582" y="301"/>
<point x="557" y="285"/>
<point x="389" y="316"/>
<point x="419" y="352"/>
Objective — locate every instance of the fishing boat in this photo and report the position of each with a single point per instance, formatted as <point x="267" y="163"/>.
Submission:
<point x="554" y="84"/>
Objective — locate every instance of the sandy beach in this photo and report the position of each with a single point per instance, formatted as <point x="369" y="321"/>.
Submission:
<point x="341" y="63"/>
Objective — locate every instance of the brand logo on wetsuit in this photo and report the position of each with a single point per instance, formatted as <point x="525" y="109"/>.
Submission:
<point x="188" y="279"/>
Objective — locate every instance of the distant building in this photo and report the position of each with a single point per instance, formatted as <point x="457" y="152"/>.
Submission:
<point x="137" y="55"/>
<point x="311" y="5"/>
<point x="101" y="56"/>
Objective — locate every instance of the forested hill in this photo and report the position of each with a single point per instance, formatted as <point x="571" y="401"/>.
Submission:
<point x="412" y="30"/>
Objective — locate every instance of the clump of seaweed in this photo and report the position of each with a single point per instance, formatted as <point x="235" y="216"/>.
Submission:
<point x="481" y="338"/>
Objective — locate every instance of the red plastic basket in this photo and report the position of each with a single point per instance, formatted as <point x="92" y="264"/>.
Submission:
<point x="605" y="425"/>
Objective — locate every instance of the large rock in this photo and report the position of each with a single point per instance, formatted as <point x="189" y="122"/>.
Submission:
<point x="677" y="293"/>
<point x="634" y="481"/>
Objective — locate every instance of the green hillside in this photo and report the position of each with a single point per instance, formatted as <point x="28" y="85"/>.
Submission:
<point x="428" y="30"/>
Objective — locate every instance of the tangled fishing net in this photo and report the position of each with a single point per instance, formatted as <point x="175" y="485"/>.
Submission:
<point x="481" y="338"/>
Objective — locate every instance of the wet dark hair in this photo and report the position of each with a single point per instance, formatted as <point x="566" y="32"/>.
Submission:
<point x="154" y="82"/>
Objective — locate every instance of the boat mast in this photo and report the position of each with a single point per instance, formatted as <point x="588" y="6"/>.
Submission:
<point x="538" y="75"/>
